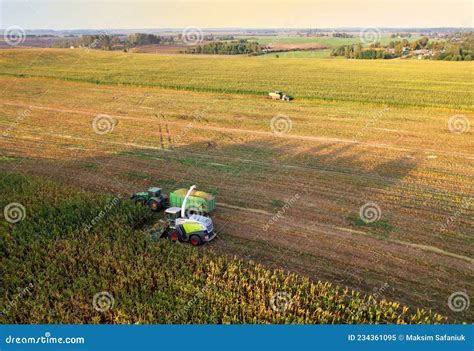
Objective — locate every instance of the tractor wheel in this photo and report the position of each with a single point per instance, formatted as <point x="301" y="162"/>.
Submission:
<point x="173" y="236"/>
<point x="154" y="205"/>
<point x="141" y="202"/>
<point x="195" y="240"/>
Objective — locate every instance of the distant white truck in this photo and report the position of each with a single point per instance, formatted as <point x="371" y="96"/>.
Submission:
<point x="278" y="95"/>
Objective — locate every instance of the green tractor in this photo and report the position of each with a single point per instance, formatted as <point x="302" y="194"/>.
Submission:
<point x="153" y="198"/>
<point x="185" y="225"/>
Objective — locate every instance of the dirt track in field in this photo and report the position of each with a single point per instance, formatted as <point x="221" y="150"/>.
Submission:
<point x="254" y="172"/>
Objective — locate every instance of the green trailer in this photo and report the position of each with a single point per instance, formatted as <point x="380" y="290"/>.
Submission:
<point x="198" y="201"/>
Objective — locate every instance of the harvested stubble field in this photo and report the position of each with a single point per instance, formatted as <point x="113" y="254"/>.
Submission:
<point x="365" y="131"/>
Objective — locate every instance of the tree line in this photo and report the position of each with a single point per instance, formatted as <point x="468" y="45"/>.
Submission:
<point x="357" y="51"/>
<point x="458" y="47"/>
<point x="106" y="41"/>
<point x="236" y="47"/>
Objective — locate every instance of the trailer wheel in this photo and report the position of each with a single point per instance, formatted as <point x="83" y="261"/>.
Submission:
<point x="195" y="240"/>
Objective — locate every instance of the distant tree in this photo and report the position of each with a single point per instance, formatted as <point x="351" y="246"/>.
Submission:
<point x="399" y="49"/>
<point x="96" y="41"/>
<point x="342" y="35"/>
<point x="136" y="39"/>
<point x="415" y="45"/>
<point x="423" y="42"/>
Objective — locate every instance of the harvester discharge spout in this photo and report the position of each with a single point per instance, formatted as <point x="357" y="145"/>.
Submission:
<point x="183" y="206"/>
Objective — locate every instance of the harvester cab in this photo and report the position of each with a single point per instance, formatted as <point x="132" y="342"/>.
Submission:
<point x="153" y="198"/>
<point x="189" y="227"/>
<point x="172" y="214"/>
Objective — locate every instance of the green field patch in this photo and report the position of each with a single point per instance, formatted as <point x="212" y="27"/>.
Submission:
<point x="323" y="53"/>
<point x="323" y="40"/>
<point x="9" y="158"/>
<point x="138" y="175"/>
<point x="90" y="165"/>
<point x="278" y="203"/>
<point x="229" y="167"/>
<point x="380" y="228"/>
<point x="144" y="154"/>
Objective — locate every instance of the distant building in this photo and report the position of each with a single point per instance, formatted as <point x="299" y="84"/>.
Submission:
<point x="423" y="53"/>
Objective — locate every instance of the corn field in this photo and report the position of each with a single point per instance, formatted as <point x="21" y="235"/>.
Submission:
<point x="397" y="83"/>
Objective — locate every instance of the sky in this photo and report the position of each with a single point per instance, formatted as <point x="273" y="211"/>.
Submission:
<point x="130" y="14"/>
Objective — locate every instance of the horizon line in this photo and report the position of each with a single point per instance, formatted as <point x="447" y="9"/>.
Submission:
<point x="249" y="28"/>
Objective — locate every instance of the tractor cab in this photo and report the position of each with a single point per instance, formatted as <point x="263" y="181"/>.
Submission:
<point x="172" y="214"/>
<point x="153" y="198"/>
<point x="154" y="192"/>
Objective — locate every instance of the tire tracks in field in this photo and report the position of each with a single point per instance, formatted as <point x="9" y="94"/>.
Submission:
<point x="250" y="131"/>
<point x="327" y="170"/>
